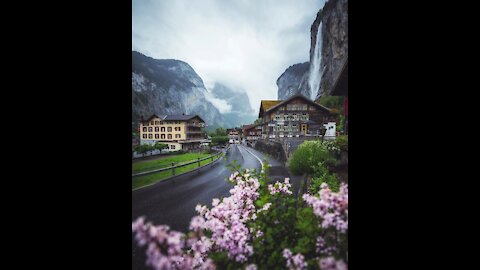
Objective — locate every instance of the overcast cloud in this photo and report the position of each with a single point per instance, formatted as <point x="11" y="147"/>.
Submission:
<point x="244" y="44"/>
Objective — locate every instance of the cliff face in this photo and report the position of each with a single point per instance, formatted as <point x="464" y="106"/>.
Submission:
<point x="294" y="81"/>
<point x="168" y="86"/>
<point x="334" y="33"/>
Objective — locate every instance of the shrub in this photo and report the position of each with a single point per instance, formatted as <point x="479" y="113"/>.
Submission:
<point x="342" y="142"/>
<point x="308" y="155"/>
<point x="322" y="175"/>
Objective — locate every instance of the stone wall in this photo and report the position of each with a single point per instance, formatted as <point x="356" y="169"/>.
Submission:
<point x="274" y="149"/>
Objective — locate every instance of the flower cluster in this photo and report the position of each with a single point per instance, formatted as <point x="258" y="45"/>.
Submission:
<point x="165" y="248"/>
<point x="294" y="262"/>
<point x="264" y="208"/>
<point x="331" y="207"/>
<point x="280" y="187"/>
<point x="329" y="263"/>
<point x="332" y="147"/>
<point x="227" y="219"/>
<point x="323" y="248"/>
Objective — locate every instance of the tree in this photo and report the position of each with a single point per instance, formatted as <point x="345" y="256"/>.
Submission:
<point x="143" y="148"/>
<point x="219" y="140"/>
<point x="220" y="132"/>
<point x="159" y="146"/>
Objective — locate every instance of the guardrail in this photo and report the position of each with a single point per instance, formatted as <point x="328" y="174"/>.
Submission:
<point x="173" y="167"/>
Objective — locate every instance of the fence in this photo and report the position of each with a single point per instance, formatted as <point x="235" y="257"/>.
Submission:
<point x="173" y="167"/>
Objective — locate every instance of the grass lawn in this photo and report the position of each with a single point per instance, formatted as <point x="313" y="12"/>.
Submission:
<point x="140" y="181"/>
<point x="162" y="162"/>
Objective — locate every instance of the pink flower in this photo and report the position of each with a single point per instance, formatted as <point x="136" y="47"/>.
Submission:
<point x="251" y="267"/>
<point x="197" y="223"/>
<point x="329" y="263"/>
<point x="331" y="207"/>
<point x="280" y="187"/>
<point x="294" y="262"/>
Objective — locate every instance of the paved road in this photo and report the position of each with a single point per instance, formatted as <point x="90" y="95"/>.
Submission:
<point x="173" y="202"/>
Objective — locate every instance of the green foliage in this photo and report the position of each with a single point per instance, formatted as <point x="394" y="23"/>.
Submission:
<point x="322" y="175"/>
<point x="342" y="142"/>
<point x="160" y="146"/>
<point x="333" y="102"/>
<point x="307" y="156"/>
<point x="144" y="148"/>
<point x="219" y="132"/>
<point x="341" y="125"/>
<point x="257" y="121"/>
<point x="219" y="140"/>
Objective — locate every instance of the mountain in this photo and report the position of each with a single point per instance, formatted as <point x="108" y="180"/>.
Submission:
<point x="294" y="81"/>
<point x="168" y="86"/>
<point x="329" y="53"/>
<point x="241" y="111"/>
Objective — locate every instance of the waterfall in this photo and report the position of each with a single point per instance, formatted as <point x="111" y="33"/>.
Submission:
<point x="315" y="70"/>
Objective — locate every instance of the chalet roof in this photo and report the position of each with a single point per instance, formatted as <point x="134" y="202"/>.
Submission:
<point x="175" y="117"/>
<point x="248" y="127"/>
<point x="302" y="97"/>
<point x="266" y="105"/>
<point x="181" y="117"/>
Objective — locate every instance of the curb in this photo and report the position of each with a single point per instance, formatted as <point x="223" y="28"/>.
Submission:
<point x="173" y="176"/>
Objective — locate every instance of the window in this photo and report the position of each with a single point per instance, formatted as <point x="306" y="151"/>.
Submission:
<point x="156" y="129"/>
<point x="163" y="129"/>
<point x="294" y="128"/>
<point x="150" y="136"/>
<point x="163" y="136"/>
<point x="144" y="136"/>
<point x="161" y="122"/>
<point x="150" y="129"/>
<point x="156" y="136"/>
<point x="169" y="136"/>
<point x="281" y="108"/>
<point x="157" y="122"/>
<point x="177" y="128"/>
<point x="169" y="129"/>
<point x="144" y="129"/>
<point x="177" y="135"/>
<point x="172" y="146"/>
<point x="151" y="123"/>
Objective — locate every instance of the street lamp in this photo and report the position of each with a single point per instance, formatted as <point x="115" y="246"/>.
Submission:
<point x="323" y="130"/>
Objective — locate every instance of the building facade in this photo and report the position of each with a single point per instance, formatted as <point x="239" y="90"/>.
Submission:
<point x="251" y="133"/>
<point x="234" y="135"/>
<point x="179" y="132"/>
<point x="297" y="116"/>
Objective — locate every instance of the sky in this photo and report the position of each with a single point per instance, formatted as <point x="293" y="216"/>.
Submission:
<point x="243" y="44"/>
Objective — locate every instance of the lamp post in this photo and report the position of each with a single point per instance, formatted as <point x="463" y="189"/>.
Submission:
<point x="323" y="130"/>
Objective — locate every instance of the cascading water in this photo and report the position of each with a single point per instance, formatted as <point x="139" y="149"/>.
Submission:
<point x="315" y="69"/>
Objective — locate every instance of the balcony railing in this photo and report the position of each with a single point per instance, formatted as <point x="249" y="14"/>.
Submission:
<point x="196" y="125"/>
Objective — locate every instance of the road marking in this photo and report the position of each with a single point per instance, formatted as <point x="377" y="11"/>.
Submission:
<point x="253" y="155"/>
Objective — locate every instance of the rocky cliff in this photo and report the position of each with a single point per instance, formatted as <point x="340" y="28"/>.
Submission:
<point x="168" y="86"/>
<point x="333" y="18"/>
<point x="294" y="81"/>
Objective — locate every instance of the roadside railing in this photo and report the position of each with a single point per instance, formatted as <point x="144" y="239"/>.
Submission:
<point x="173" y="167"/>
